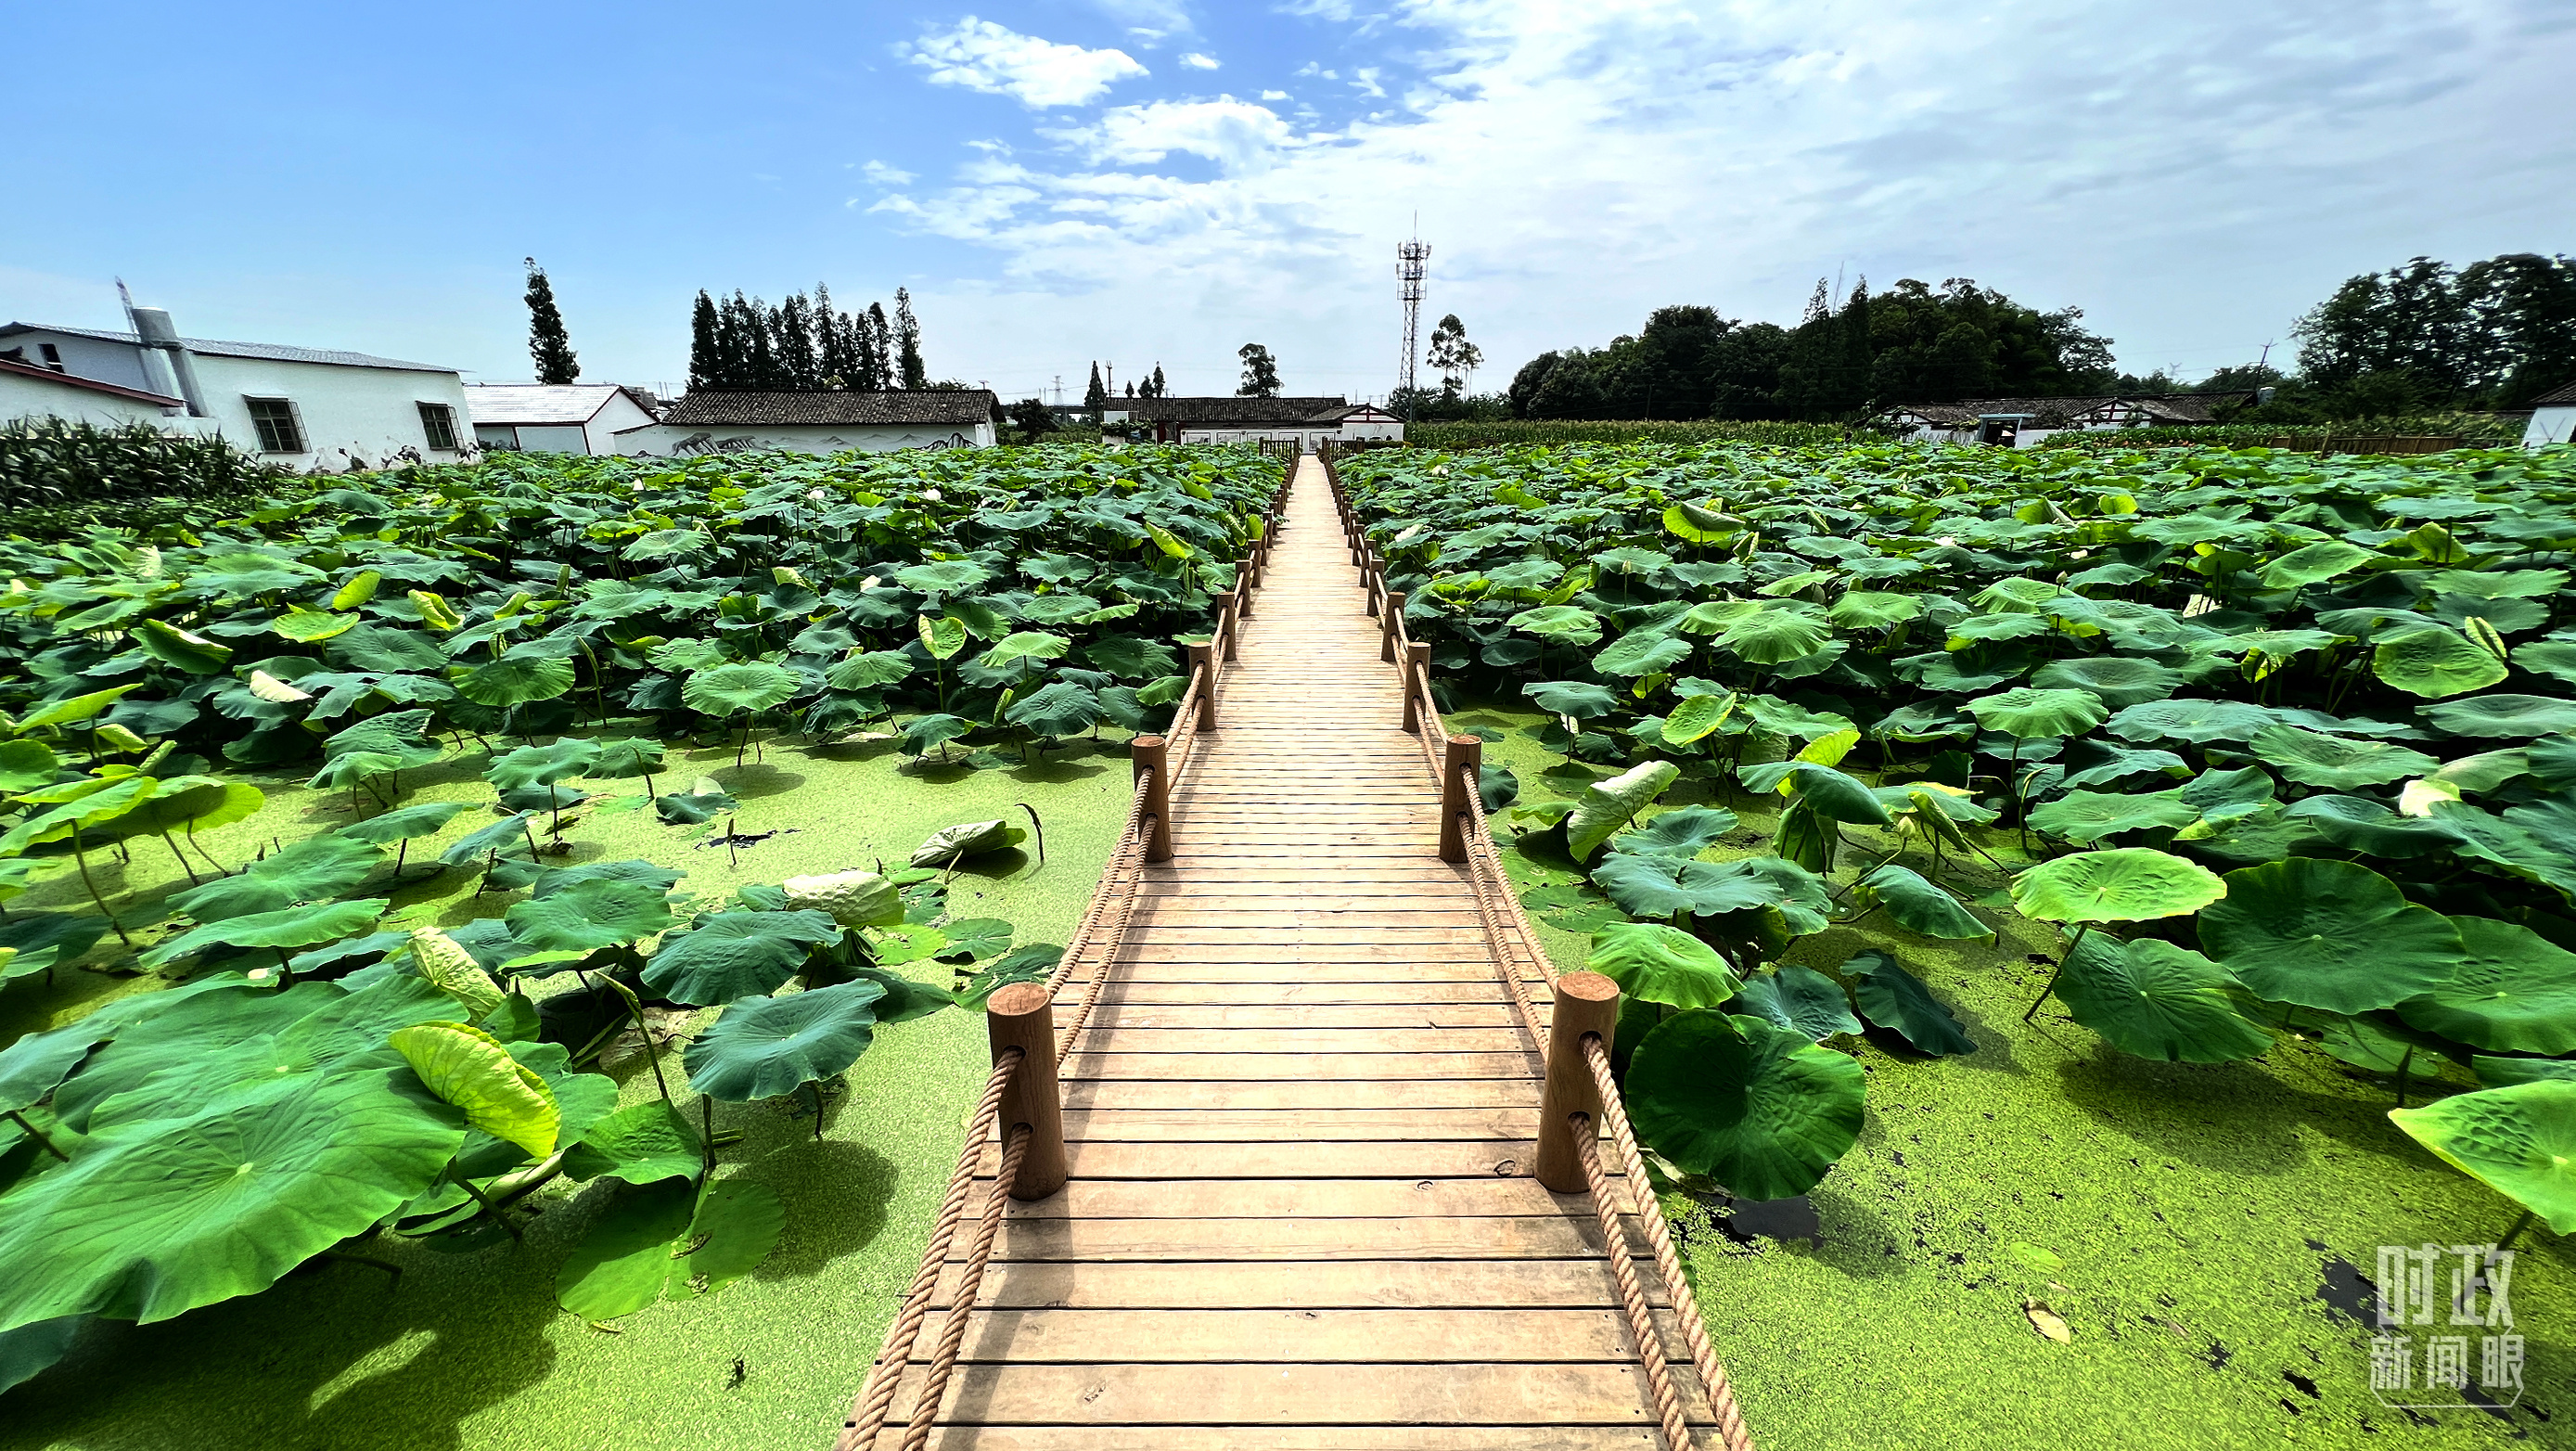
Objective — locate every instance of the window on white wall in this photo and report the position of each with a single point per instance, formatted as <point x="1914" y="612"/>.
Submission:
<point x="53" y="356"/>
<point x="438" y="421"/>
<point x="279" y="432"/>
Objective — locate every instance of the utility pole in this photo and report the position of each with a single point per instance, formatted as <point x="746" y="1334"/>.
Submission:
<point x="1412" y="261"/>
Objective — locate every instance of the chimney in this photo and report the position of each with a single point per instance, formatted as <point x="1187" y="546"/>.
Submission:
<point x="161" y="344"/>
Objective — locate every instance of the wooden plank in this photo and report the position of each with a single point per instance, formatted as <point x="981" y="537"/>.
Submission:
<point x="1293" y="1438"/>
<point x="1300" y="1394"/>
<point x="1279" y="1158"/>
<point x="1206" y="1019"/>
<point x="1123" y="1038"/>
<point x="1520" y="1091"/>
<point x="1190" y="1127"/>
<point x="1537" y="1236"/>
<point x="1199" y="1337"/>
<point x="1484" y="1195"/>
<point x="1285" y="1067"/>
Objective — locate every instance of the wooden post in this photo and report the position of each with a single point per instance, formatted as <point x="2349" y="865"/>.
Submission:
<point x="1386" y="626"/>
<point x="1147" y="753"/>
<point x="1458" y="776"/>
<point x="1230" y="617"/>
<point x="1203" y="665"/>
<point x="1417" y="683"/>
<point x="1586" y="1002"/>
<point x="1022" y="1016"/>
<point x="1243" y="597"/>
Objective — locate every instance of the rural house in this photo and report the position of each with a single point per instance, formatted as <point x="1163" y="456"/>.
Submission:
<point x="28" y="390"/>
<point x="827" y="422"/>
<point x="1307" y="421"/>
<point x="555" y="418"/>
<point x="310" y="409"/>
<point x="2023" y="422"/>
<point x="2553" y="418"/>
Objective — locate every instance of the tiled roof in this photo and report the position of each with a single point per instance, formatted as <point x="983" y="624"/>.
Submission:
<point x="2168" y="408"/>
<point x="16" y="369"/>
<point x="1222" y="412"/>
<point x="724" y="410"/>
<point x="2556" y="397"/>
<point x="541" y="402"/>
<point x="272" y="352"/>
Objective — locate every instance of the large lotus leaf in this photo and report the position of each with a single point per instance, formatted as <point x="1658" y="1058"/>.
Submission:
<point x="2124" y="884"/>
<point x="42" y="939"/>
<point x="947" y="576"/>
<point x="1918" y="905"/>
<point x="906" y="999"/>
<point x="2434" y="662"/>
<point x="26" y="765"/>
<point x="1641" y="652"/>
<point x="449" y="967"/>
<point x="2506" y="1072"/>
<point x="587" y="916"/>
<point x="543" y="765"/>
<point x="1060" y="709"/>
<point x="2089" y="816"/>
<point x="865" y="669"/>
<point x="2027" y="713"/>
<point x="88" y="810"/>
<point x="2157" y="1000"/>
<point x="313" y="869"/>
<point x="1775" y="636"/>
<point x="737" y="689"/>
<point x="1684" y="831"/>
<point x="1759" y="1108"/>
<point x="927" y="733"/>
<point x="2357" y="823"/>
<point x="967" y="838"/>
<point x="1873" y="610"/>
<point x="1781" y="718"/>
<point x="387" y="649"/>
<point x="2312" y="564"/>
<point x="1571" y="697"/>
<point x="309" y="627"/>
<point x="30" y="1350"/>
<point x="2519" y="1141"/>
<point x="155" y="1217"/>
<point x="764" y="1047"/>
<point x="290" y="927"/>
<point x="737" y="955"/>
<point x="1606" y="806"/>
<point x="426" y="818"/>
<point x="2553" y="658"/>
<point x="853" y="899"/>
<point x="188" y="651"/>
<point x="642" y="1143"/>
<point x="2226" y="795"/>
<point x="508" y="682"/>
<point x="1660" y="964"/>
<point x="1696" y="717"/>
<point x="469" y="1068"/>
<point x="2120" y="681"/>
<point x="2514" y="992"/>
<point x="1824" y="790"/>
<point x="1894" y="999"/>
<point x="73" y="708"/>
<point x="2515" y="716"/>
<point x="1800" y="999"/>
<point x="507" y="836"/>
<point x="2328" y="934"/>
<point x="2314" y="759"/>
<point x="1131" y="658"/>
<point x="1025" y="645"/>
<point x="2199" y="721"/>
<point x="1564" y="624"/>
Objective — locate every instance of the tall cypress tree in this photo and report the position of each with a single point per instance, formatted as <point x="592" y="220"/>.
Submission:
<point x="548" y="344"/>
<point x="799" y="361"/>
<point x="1158" y="380"/>
<point x="1852" y="377"/>
<point x="1095" y="397"/>
<point x="880" y="349"/>
<point x="831" y="341"/>
<point x="705" y="363"/>
<point x="908" y="342"/>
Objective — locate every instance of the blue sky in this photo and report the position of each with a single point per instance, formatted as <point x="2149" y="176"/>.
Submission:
<point x="1160" y="180"/>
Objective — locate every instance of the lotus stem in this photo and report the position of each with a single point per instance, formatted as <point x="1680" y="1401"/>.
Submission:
<point x="635" y="1010"/>
<point x="1040" y="827"/>
<point x="2515" y="1233"/>
<point x="80" y="854"/>
<point x="489" y="1207"/>
<point x="2080" y="929"/>
<point x="2405" y="1061"/>
<point x="33" y="1132"/>
<point x="183" y="860"/>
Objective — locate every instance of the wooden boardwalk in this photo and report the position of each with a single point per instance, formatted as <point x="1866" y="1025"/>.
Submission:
<point x="1299" y="1120"/>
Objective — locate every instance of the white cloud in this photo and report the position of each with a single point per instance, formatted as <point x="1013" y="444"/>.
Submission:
<point x="2192" y="185"/>
<point x="1274" y="95"/>
<point x="1198" y="62"/>
<point x="983" y="56"/>
<point x="884" y="175"/>
<point x="1365" y="80"/>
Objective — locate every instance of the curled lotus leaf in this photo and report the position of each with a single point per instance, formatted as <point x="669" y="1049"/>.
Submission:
<point x="2519" y="1141"/>
<point x="1660" y="964"/>
<point x="1757" y="1107"/>
<point x="469" y="1068"/>
<point x="2328" y="934"/>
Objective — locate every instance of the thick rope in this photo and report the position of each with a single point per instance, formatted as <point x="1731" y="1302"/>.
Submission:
<point x="1712" y="1376"/>
<point x="952" y="1335"/>
<point x="1641" y="1321"/>
<point x="868" y="1413"/>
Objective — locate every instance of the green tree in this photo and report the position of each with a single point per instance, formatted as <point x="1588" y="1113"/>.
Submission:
<point x="1744" y="371"/>
<point x="1032" y="417"/>
<point x="1095" y="397"/>
<point x="1260" y="372"/>
<point x="548" y="343"/>
<point x="1159" y="386"/>
<point x="908" y="342"/>
<point x="705" y="363"/>
<point x="799" y="361"/>
<point x="1452" y="355"/>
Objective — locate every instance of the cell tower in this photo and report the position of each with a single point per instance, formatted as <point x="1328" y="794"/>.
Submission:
<point x="1412" y="260"/>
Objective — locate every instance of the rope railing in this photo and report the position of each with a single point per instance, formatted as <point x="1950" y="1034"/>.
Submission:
<point x="1104" y="922"/>
<point x="1512" y="943"/>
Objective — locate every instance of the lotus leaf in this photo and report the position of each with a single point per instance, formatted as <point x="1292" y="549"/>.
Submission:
<point x="2159" y="1001"/>
<point x="853" y="899"/>
<point x="2025" y="712"/>
<point x="737" y="954"/>
<point x="1775" y="636"/>
<point x="589" y="915"/>
<point x="2119" y="681"/>
<point x="952" y="844"/>
<point x="1759" y="1108"/>
<point x="1641" y="652"/>
<point x="744" y="688"/>
<point x="2358" y="823"/>
<point x="1821" y="789"/>
<point x="642" y="1143"/>
<point x="1659" y="964"/>
<point x="2519" y="1141"/>
<point x="290" y="927"/>
<point x="669" y="1240"/>
<point x="1917" y="905"/>
<point x="469" y="1068"/>
<point x="543" y="765"/>
<point x="1562" y="623"/>
<point x="1894" y="999"/>
<point x="1801" y="999"/>
<point x="2435" y="662"/>
<point x="311" y="870"/>
<point x="452" y="970"/>
<point x="2514" y="992"/>
<point x="2124" y="884"/>
<point x="1684" y="831"/>
<point x="1571" y="698"/>
<point x="191" y="652"/>
<point x="2087" y="817"/>
<point x="2512" y="716"/>
<point x="2199" y="721"/>
<point x="1696" y="717"/>
<point x="929" y="732"/>
<point x="2328" y="934"/>
<point x="1605" y="806"/>
<point x="1058" y="709"/>
<point x="427" y="818"/>
<point x="764" y="1047"/>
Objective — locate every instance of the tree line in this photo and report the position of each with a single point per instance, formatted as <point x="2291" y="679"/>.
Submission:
<point x="2423" y="337"/>
<point x="803" y="344"/>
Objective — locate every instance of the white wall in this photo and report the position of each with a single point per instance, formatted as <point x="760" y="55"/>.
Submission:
<point x="619" y="413"/>
<point x="662" y="438"/>
<point x="2550" y="425"/>
<point x="351" y="417"/>
<point x="25" y="397"/>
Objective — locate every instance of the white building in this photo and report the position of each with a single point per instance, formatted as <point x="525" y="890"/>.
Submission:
<point x="2553" y="418"/>
<point x="28" y="390"/>
<point x="555" y="418"/>
<point x="310" y="409"/>
<point x="2023" y="422"/>
<point x="829" y="422"/>
<point x="1303" y="421"/>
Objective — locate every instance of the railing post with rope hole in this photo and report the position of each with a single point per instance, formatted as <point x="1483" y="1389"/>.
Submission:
<point x="1586" y="1002"/>
<point x="1463" y="760"/>
<point x="1388" y="626"/>
<point x="1203" y="665"/>
<point x="1229" y="622"/>
<point x="1022" y="1016"/>
<point x="1417" y="686"/>
<point x="1148" y="756"/>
